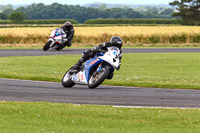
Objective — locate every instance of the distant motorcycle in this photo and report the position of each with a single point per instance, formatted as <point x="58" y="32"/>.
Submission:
<point x="95" y="70"/>
<point x="55" y="40"/>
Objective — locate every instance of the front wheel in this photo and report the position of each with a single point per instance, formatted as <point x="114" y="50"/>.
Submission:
<point x="66" y="80"/>
<point x="47" y="45"/>
<point x="60" y="47"/>
<point x="98" y="78"/>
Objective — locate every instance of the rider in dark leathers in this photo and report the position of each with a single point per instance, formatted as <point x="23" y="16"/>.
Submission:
<point x="114" y="41"/>
<point x="69" y="31"/>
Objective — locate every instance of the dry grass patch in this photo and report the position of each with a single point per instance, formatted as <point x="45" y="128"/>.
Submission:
<point x="88" y="36"/>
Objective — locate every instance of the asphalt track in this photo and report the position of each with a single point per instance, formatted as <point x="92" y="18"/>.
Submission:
<point x="39" y="52"/>
<point x="22" y="90"/>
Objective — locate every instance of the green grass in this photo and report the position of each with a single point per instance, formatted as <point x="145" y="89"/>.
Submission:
<point x="161" y="70"/>
<point x="20" y="117"/>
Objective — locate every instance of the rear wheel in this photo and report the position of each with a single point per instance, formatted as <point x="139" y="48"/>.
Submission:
<point x="66" y="80"/>
<point x="47" y="45"/>
<point x="97" y="78"/>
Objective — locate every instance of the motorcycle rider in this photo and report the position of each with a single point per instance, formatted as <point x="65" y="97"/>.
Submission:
<point x="114" y="41"/>
<point x="69" y="31"/>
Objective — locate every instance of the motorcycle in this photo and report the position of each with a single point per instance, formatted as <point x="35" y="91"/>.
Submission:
<point x="95" y="70"/>
<point x="55" y="40"/>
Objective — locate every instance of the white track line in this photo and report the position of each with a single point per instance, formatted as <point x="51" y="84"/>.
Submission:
<point x="140" y="107"/>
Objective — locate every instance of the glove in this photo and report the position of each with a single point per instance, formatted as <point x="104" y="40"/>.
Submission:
<point x="64" y="36"/>
<point x="96" y="49"/>
<point x="65" y="40"/>
<point x="86" y="52"/>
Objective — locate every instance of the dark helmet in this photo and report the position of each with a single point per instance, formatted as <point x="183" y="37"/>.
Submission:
<point x="68" y="23"/>
<point x="116" y="41"/>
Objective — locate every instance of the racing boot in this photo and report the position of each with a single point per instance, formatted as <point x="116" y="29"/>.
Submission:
<point x="75" y="68"/>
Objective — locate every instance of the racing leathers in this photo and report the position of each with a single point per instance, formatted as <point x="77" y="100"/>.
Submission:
<point x="67" y="39"/>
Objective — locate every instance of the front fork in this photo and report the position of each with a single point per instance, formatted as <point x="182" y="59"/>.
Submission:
<point x="96" y="73"/>
<point x="99" y="67"/>
<point x="53" y="42"/>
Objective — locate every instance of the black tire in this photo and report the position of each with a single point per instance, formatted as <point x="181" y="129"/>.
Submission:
<point x="67" y="82"/>
<point x="47" y="45"/>
<point x="100" y="80"/>
<point x="60" y="48"/>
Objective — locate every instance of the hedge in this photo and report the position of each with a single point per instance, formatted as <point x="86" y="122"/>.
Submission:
<point x="131" y="21"/>
<point x="97" y="21"/>
<point x="41" y="21"/>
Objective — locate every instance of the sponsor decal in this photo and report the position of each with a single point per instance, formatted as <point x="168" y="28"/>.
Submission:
<point x="75" y="77"/>
<point x="94" y="61"/>
<point x="80" y="76"/>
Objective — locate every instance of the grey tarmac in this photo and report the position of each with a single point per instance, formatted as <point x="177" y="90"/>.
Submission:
<point x="40" y="52"/>
<point x="35" y="91"/>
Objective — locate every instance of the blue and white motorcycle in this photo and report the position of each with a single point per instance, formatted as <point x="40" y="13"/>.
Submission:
<point x="95" y="70"/>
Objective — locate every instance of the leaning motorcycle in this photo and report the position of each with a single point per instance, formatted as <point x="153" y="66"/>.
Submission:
<point x="95" y="70"/>
<point x="55" y="40"/>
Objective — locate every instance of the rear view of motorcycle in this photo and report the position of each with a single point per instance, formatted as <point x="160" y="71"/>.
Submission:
<point x="56" y="40"/>
<point x="95" y="70"/>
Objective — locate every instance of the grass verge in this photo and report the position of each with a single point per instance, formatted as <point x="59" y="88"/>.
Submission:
<point x="159" y="70"/>
<point x="89" y="45"/>
<point x="20" y="117"/>
<point x="37" y="46"/>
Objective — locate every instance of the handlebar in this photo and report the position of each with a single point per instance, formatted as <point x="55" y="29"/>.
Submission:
<point x="103" y="51"/>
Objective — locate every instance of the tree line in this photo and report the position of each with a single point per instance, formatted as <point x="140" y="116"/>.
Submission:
<point x="187" y="12"/>
<point x="81" y="14"/>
